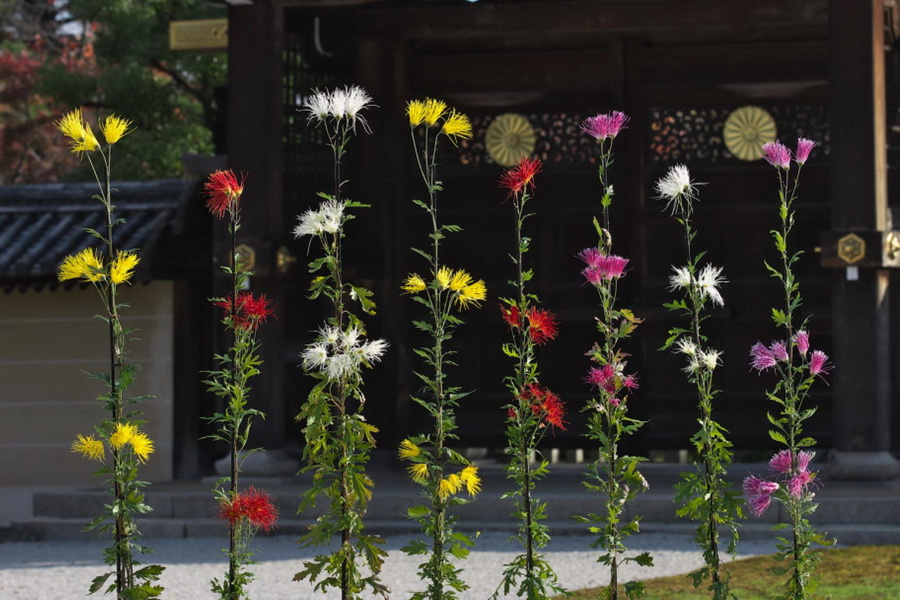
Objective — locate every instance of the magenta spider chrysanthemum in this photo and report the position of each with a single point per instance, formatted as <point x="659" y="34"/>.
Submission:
<point x="777" y="154"/>
<point x="604" y="126"/>
<point x="781" y="462"/>
<point x="797" y="484"/>
<point x="759" y="504"/>
<point x="779" y="351"/>
<point x="762" y="357"/>
<point x="802" y="341"/>
<point x="803" y="459"/>
<point x="603" y="377"/>
<point x="591" y="256"/>
<point x="804" y="147"/>
<point x="817" y="363"/>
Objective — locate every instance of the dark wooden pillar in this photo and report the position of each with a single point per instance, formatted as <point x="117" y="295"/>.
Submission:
<point x="861" y="377"/>
<point x="255" y="108"/>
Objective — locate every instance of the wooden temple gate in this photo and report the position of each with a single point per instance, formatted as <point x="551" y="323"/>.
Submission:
<point x="679" y="70"/>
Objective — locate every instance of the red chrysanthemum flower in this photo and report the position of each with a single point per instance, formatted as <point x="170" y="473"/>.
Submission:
<point x="545" y="404"/>
<point x="249" y="311"/>
<point x="542" y="325"/>
<point x="224" y="191"/>
<point x="521" y="176"/>
<point x="251" y="504"/>
<point x="511" y="315"/>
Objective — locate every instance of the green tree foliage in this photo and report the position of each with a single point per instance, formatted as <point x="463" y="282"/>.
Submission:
<point x="169" y="94"/>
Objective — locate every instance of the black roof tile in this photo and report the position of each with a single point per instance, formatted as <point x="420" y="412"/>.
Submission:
<point x="43" y="223"/>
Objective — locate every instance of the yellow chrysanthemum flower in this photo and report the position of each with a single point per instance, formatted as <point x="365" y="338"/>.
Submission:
<point x="415" y="109"/>
<point x="418" y="472"/>
<point x="142" y="446"/>
<point x="122" y="267"/>
<point x="443" y="276"/>
<point x="434" y="110"/>
<point x="472" y="294"/>
<point x="122" y="435"/>
<point x="89" y="447"/>
<point x="408" y="450"/>
<point x="87" y="265"/>
<point x="449" y="486"/>
<point x="470" y="478"/>
<point x="460" y="280"/>
<point x="114" y="128"/>
<point x="457" y="125"/>
<point x="72" y="125"/>
<point x="413" y="284"/>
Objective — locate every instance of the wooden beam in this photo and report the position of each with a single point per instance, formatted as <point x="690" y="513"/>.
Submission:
<point x="733" y="19"/>
<point x="861" y="323"/>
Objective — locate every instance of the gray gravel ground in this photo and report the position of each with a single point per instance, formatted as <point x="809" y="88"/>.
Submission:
<point x="63" y="570"/>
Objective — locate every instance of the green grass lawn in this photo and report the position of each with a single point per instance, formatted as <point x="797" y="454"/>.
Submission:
<point x="858" y="573"/>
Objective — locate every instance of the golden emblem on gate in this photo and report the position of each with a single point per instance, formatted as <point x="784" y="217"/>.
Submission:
<point x="851" y="248"/>
<point x="509" y="139"/>
<point x="746" y="130"/>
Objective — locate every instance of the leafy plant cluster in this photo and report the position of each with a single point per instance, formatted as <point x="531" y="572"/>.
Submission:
<point x="339" y="441"/>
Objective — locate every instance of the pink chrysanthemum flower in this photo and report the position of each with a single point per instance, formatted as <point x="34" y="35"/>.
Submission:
<point x="777" y="154"/>
<point x="802" y="341"/>
<point x="601" y="267"/>
<point x="817" y="363"/>
<point x="779" y="351"/>
<point x="762" y="357"/>
<point x="804" y="147"/>
<point x="782" y="462"/>
<point x="603" y="378"/>
<point x="759" y="504"/>
<point x="759" y="494"/>
<point x="605" y="126"/>
<point x="798" y="483"/>
<point x="591" y="256"/>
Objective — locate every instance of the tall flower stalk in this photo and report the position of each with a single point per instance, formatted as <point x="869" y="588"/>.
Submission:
<point x="442" y="472"/>
<point x="790" y="480"/>
<point x="533" y="408"/>
<point x="703" y="494"/>
<point x="242" y="314"/>
<point x="119" y="434"/>
<point x="614" y="474"/>
<point x="338" y="439"/>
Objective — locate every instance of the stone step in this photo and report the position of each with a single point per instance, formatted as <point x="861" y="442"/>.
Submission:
<point x="48" y="529"/>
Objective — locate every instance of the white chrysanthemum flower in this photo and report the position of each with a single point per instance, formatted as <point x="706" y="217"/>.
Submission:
<point x="340" y="365"/>
<point x="315" y="356"/>
<point x="330" y="335"/>
<point x="677" y="189"/>
<point x="681" y="279"/>
<point x="356" y="99"/>
<point x="327" y="219"/>
<point x="693" y="365"/>
<point x="708" y="283"/>
<point x="318" y="105"/>
<point x="338" y="105"/>
<point x="309" y="223"/>
<point x="373" y="351"/>
<point x="331" y="213"/>
<point x="350" y="338"/>
<point x="686" y="346"/>
<point x="710" y="359"/>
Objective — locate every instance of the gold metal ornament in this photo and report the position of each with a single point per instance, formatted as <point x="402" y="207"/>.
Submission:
<point x="509" y="139"/>
<point x="746" y="130"/>
<point x="851" y="248"/>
